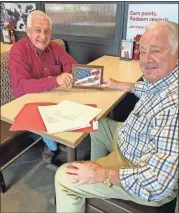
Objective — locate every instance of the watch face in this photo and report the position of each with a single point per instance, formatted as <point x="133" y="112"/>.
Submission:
<point x="107" y="182"/>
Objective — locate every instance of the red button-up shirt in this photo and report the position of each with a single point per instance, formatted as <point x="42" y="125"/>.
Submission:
<point x="30" y="72"/>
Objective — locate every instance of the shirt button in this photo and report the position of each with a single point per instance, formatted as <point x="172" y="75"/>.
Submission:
<point x="45" y="68"/>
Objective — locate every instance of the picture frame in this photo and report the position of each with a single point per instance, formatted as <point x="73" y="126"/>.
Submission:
<point x="87" y="76"/>
<point x="6" y="36"/>
<point x="126" y="50"/>
<point x="16" y="14"/>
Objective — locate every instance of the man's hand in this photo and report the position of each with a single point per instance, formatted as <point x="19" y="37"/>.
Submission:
<point x="65" y="79"/>
<point x="110" y="83"/>
<point x="123" y="86"/>
<point x="86" y="172"/>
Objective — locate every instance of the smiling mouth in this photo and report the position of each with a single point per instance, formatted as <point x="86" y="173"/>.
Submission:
<point x="41" y="42"/>
<point x="150" y="68"/>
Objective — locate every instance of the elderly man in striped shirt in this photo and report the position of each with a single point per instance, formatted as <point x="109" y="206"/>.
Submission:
<point x="138" y="159"/>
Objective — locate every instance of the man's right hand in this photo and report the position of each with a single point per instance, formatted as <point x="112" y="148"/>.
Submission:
<point x="65" y="79"/>
<point x="112" y="84"/>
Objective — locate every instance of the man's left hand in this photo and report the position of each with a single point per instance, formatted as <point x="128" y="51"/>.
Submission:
<point x="86" y="172"/>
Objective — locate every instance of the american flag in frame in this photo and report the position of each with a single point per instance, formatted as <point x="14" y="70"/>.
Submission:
<point x="87" y="75"/>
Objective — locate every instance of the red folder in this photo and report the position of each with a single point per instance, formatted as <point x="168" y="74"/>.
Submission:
<point x="29" y="118"/>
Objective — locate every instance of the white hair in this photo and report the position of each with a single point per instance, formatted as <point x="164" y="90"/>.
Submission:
<point x="37" y="14"/>
<point x="172" y="32"/>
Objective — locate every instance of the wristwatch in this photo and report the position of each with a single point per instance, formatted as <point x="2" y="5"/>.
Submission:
<point x="107" y="181"/>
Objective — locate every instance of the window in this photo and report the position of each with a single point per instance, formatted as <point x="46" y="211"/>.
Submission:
<point x="91" y="20"/>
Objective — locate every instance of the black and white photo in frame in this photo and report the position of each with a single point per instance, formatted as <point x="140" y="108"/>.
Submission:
<point x="16" y="14"/>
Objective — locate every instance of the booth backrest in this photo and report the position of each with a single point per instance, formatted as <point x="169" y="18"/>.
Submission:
<point x="6" y="92"/>
<point x="60" y="42"/>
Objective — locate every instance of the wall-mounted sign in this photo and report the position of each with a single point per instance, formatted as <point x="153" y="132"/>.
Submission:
<point x="140" y="15"/>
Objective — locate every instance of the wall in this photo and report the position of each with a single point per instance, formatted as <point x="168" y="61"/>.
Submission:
<point x="86" y="49"/>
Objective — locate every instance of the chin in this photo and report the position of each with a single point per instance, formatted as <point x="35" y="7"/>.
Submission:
<point x="150" y="78"/>
<point x="42" y="48"/>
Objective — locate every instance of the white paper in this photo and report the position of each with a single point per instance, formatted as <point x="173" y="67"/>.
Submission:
<point x="95" y="125"/>
<point x="67" y="115"/>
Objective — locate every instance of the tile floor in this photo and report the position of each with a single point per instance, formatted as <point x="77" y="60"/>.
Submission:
<point x="30" y="183"/>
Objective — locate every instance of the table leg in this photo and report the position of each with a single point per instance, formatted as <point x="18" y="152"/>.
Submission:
<point x="71" y="154"/>
<point x="2" y="183"/>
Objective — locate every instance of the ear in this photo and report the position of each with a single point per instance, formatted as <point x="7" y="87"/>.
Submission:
<point x="27" y="30"/>
<point x="177" y="62"/>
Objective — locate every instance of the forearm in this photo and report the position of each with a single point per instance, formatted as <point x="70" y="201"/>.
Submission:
<point x="126" y="87"/>
<point x="25" y="86"/>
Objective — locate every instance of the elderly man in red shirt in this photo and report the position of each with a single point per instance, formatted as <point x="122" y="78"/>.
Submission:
<point x="37" y="64"/>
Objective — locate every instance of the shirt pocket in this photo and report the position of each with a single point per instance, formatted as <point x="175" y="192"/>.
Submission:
<point x="57" y="69"/>
<point x="137" y="122"/>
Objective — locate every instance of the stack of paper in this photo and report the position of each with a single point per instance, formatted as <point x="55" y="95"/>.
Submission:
<point x="67" y="115"/>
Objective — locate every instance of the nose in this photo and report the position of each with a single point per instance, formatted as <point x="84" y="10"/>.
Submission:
<point x="43" y="35"/>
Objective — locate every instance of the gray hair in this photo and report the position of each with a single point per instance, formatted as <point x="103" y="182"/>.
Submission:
<point x="172" y="29"/>
<point x="37" y="14"/>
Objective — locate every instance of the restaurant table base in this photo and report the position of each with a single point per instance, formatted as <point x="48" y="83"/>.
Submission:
<point x="71" y="154"/>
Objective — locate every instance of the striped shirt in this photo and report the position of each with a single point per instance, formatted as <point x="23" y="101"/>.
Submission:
<point x="149" y="140"/>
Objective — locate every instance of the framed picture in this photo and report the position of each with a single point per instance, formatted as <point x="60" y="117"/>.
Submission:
<point x="86" y="76"/>
<point x="127" y="49"/>
<point x="16" y="14"/>
<point x="6" y="36"/>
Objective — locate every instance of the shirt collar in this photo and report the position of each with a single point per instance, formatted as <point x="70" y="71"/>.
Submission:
<point x="34" y="48"/>
<point x="163" y="83"/>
